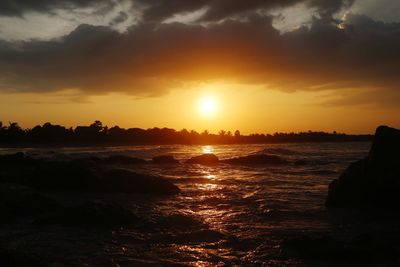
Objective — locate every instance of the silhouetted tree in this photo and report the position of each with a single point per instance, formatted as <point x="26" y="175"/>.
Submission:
<point x="97" y="133"/>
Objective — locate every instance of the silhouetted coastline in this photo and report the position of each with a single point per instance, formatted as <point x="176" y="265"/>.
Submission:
<point x="97" y="134"/>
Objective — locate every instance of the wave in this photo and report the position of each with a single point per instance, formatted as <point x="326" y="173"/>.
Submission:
<point x="277" y="151"/>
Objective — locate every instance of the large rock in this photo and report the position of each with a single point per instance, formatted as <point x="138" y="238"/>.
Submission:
<point x="374" y="180"/>
<point x="17" y="201"/>
<point x="258" y="159"/>
<point x="205" y="159"/>
<point x="91" y="214"/>
<point x="77" y="176"/>
<point x="85" y="175"/>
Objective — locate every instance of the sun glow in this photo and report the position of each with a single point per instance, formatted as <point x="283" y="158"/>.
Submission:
<point x="208" y="106"/>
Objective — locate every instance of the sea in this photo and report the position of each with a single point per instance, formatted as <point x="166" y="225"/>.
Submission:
<point x="225" y="215"/>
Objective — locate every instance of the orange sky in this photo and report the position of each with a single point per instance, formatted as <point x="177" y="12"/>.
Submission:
<point x="250" y="109"/>
<point x="270" y="66"/>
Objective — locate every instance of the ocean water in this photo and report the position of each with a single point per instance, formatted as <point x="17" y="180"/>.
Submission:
<point x="226" y="215"/>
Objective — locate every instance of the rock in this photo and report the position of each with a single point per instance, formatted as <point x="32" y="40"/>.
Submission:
<point x="165" y="159"/>
<point x="91" y="214"/>
<point x="124" y="181"/>
<point x="205" y="159"/>
<point x="74" y="176"/>
<point x="86" y="175"/>
<point x="373" y="181"/>
<point x="256" y="159"/>
<point x="17" y="201"/>
<point x="121" y="159"/>
<point x="385" y="148"/>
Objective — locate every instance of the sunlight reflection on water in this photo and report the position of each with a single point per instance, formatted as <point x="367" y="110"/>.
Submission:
<point x="207" y="149"/>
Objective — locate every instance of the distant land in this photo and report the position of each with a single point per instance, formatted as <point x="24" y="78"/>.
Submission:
<point x="97" y="134"/>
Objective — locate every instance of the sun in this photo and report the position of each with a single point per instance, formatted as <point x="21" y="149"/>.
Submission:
<point x="208" y="106"/>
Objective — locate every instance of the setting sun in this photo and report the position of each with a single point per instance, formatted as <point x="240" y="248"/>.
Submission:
<point x="208" y="106"/>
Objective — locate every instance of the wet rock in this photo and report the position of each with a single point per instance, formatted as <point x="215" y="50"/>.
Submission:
<point x="86" y="175"/>
<point x="205" y="159"/>
<point x="165" y="159"/>
<point x="259" y="159"/>
<point x="373" y="181"/>
<point x="91" y="214"/>
<point x="124" y="181"/>
<point x="18" y="201"/>
<point x="77" y="176"/>
<point x="360" y="249"/>
<point x="121" y="159"/>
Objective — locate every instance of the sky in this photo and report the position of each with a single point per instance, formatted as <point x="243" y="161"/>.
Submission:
<point x="262" y="65"/>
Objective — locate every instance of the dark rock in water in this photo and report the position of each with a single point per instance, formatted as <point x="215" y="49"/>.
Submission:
<point x="373" y="181"/>
<point x="165" y="159"/>
<point x="205" y="159"/>
<point x="18" y="201"/>
<point x="77" y="176"/>
<point x="84" y="175"/>
<point x="91" y="214"/>
<point x="121" y="159"/>
<point x="124" y="181"/>
<point x="256" y="159"/>
<point x="360" y="249"/>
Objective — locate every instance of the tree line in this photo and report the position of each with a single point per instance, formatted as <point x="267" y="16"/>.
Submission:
<point x="96" y="133"/>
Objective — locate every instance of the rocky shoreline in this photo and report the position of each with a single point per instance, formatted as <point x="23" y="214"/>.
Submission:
<point x="29" y="190"/>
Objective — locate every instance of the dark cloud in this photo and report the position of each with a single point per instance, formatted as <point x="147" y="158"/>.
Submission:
<point x="158" y="10"/>
<point x="19" y="7"/>
<point x="216" y="10"/>
<point x="120" y="18"/>
<point x="150" y="59"/>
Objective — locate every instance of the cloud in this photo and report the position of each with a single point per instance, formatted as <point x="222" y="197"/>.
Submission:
<point x="159" y="10"/>
<point x="216" y="10"/>
<point x="151" y="58"/>
<point x="19" y="7"/>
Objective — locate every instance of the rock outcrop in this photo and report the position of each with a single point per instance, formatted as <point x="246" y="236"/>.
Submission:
<point x="374" y="180"/>
<point x="17" y="201"/>
<point x="83" y="175"/>
<point x="91" y="214"/>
